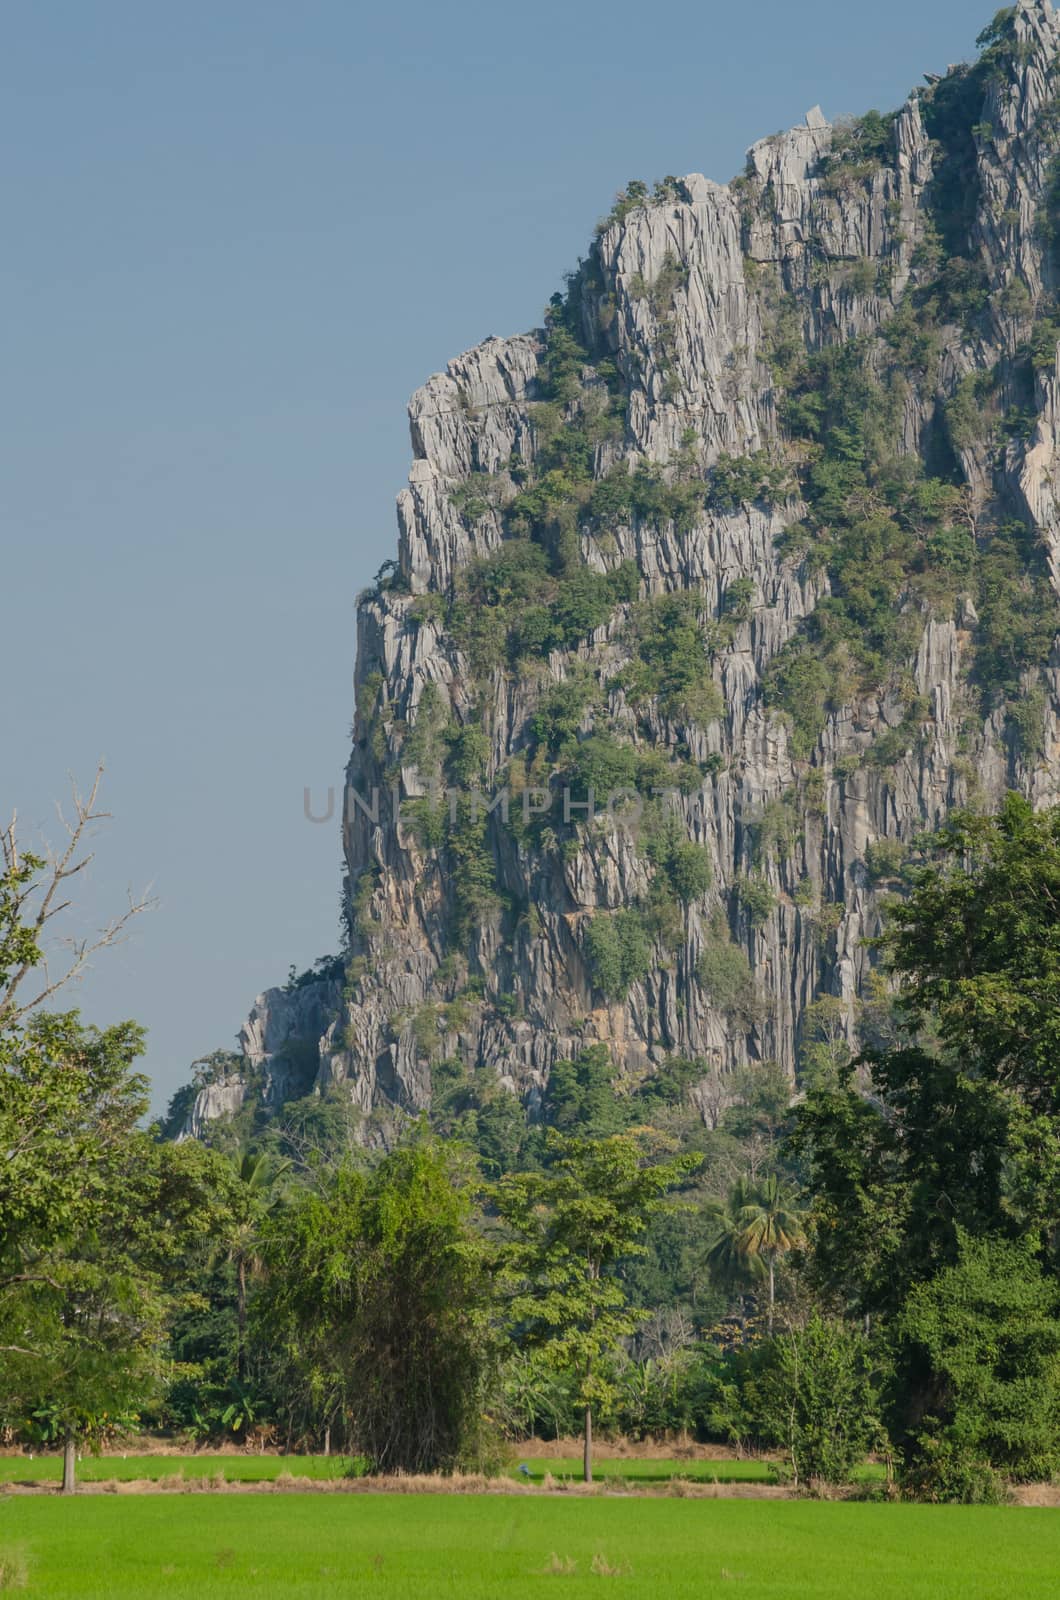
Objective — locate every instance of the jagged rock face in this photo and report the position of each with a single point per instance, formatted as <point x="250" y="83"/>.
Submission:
<point x="696" y="370"/>
<point x="281" y="1044"/>
<point x="214" y="1101"/>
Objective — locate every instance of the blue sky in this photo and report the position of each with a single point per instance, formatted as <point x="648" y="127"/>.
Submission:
<point x="237" y="237"/>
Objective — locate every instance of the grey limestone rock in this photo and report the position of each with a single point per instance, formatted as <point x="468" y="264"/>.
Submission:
<point x="695" y="367"/>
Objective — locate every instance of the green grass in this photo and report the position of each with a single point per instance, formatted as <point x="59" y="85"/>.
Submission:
<point x="439" y="1547"/>
<point x="262" y="1469"/>
<point x="237" y="1469"/>
<point x="632" y="1469"/>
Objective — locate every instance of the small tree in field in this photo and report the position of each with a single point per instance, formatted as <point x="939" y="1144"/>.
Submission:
<point x="572" y="1226"/>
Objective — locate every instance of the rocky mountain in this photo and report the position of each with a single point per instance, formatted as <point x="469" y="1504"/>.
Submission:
<point x="758" y="540"/>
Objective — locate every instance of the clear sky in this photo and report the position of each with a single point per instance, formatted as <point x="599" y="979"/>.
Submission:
<point x="237" y="236"/>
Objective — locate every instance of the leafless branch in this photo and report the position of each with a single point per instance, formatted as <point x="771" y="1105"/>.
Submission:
<point x="39" y="901"/>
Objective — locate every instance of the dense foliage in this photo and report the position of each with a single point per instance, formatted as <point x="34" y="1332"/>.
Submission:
<point x="378" y="1287"/>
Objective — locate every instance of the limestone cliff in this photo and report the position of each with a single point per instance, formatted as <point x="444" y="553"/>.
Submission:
<point x="820" y="405"/>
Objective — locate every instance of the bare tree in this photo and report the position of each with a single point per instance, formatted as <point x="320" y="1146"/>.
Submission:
<point x="712" y="1096"/>
<point x="35" y="893"/>
<point x="666" y="1332"/>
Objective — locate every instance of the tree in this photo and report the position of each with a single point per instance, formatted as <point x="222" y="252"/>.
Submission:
<point x="93" y="1217"/>
<point x="730" y="1265"/>
<point x="581" y="1095"/>
<point x="976" y="947"/>
<point x="378" y="1287"/>
<point x="618" y="950"/>
<point x="819" y="1399"/>
<point x="62" y="1088"/>
<point x="571" y="1227"/>
<point x="255" y="1176"/>
<point x="825" y="1044"/>
<point x="962" y="1128"/>
<point x="33" y="891"/>
<point x="976" y="1388"/>
<point x="771" y="1226"/>
<point x="934" y="1193"/>
<point x="91" y="1209"/>
<point x="475" y="1108"/>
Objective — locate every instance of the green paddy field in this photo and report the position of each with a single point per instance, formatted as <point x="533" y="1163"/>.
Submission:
<point x="264" y="1469"/>
<point x="450" y="1547"/>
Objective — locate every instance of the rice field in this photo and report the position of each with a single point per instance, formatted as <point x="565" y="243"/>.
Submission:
<point x="396" y="1547"/>
<point x="266" y="1468"/>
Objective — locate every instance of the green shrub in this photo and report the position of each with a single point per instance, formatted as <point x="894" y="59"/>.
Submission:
<point x="476" y="496"/>
<point x="859" y="148"/>
<point x="1027" y="717"/>
<point x="949" y="1473"/>
<point x="755" y="898"/>
<point x="472" y="873"/>
<point x="671" y="659"/>
<point x="603" y="764"/>
<point x="670" y="1084"/>
<point x="965" y="419"/>
<point x="628" y="199"/>
<point x="775" y="828"/>
<point x="892" y="745"/>
<point x="556" y="722"/>
<point x="425" y="1030"/>
<point x="430" y="607"/>
<point x="807" y="688"/>
<point x="644" y="497"/>
<point x="618" y="952"/>
<point x="424" y="745"/>
<point x="884" y="860"/>
<point x="469" y="749"/>
<point x="725" y="973"/>
<point x="738" y="598"/>
<point x="427" y="820"/>
<point x="580" y="1096"/>
<point x="583" y="603"/>
<point x="744" y="480"/>
<point x="1018" y="612"/>
<point x="509" y="605"/>
<point x="689" y="870"/>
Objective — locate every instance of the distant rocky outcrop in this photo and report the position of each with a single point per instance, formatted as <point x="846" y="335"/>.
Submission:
<point x="818" y="396"/>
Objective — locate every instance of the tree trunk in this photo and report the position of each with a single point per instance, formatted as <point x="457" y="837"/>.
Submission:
<point x="772" y="1291"/>
<point x="241" y="1312"/>
<point x="587" y="1452"/>
<point x="327" y="1440"/>
<point x="69" y="1462"/>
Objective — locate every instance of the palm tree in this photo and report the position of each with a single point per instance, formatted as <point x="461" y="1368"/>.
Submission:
<point x="769" y="1226"/>
<point x="250" y="1202"/>
<point x="729" y="1263"/>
